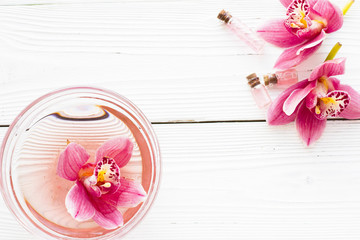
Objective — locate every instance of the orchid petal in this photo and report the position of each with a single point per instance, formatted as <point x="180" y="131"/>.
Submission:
<point x="334" y="83"/>
<point x="308" y="126"/>
<point x="286" y="3"/>
<point x="332" y="105"/>
<point x="78" y="203"/>
<point x="276" y="33"/>
<point x="314" y="42"/>
<point x="130" y="194"/>
<point x="119" y="149"/>
<point x="312" y="2"/>
<point x="328" y="68"/>
<point x="353" y="109"/>
<point x="296" y="97"/>
<point x="71" y="160"/>
<point x="275" y="113"/>
<point x="106" y="215"/>
<point x="331" y="13"/>
<point x="311" y="100"/>
<point x="295" y="55"/>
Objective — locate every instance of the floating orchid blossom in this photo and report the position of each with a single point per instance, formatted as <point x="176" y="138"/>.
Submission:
<point x="311" y="101"/>
<point x="303" y="31"/>
<point x="99" y="189"/>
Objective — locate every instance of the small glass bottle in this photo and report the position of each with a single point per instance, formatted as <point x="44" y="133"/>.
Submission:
<point x="258" y="90"/>
<point x="281" y="78"/>
<point x="243" y="31"/>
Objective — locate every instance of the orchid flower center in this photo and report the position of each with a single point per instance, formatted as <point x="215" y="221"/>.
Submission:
<point x="331" y="105"/>
<point x="107" y="171"/>
<point x="107" y="174"/>
<point x="326" y="101"/>
<point x="330" y="102"/>
<point x="104" y="177"/>
<point x="299" y="20"/>
<point x="297" y="13"/>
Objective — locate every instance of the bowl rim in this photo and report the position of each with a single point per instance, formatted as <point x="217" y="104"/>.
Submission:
<point x="40" y="231"/>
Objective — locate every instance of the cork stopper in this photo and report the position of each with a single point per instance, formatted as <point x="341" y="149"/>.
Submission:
<point x="270" y="79"/>
<point x="224" y="16"/>
<point x="253" y="80"/>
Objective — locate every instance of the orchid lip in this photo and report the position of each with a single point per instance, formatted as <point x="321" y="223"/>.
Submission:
<point x="297" y="13"/>
<point x="107" y="174"/>
<point x="332" y="105"/>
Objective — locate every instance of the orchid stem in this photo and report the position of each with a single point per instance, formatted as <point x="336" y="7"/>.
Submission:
<point x="333" y="51"/>
<point x="347" y="6"/>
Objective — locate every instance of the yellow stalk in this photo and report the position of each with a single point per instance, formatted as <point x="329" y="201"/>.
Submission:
<point x="333" y="51"/>
<point x="347" y="6"/>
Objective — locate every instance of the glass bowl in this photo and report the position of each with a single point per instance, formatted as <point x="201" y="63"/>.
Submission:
<point x="33" y="191"/>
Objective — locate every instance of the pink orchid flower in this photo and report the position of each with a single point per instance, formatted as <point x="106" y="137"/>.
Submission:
<point x="99" y="189"/>
<point x="303" y="31"/>
<point x="311" y="101"/>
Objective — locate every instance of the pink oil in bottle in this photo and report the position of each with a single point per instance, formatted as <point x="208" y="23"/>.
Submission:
<point x="281" y="78"/>
<point x="244" y="32"/>
<point x="258" y="90"/>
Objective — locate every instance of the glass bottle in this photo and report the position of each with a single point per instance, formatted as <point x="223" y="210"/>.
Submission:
<point x="283" y="78"/>
<point x="258" y="90"/>
<point x="242" y="31"/>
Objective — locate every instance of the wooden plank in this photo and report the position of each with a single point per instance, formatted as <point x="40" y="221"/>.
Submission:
<point x="173" y="59"/>
<point x="250" y="181"/>
<point x="126" y="27"/>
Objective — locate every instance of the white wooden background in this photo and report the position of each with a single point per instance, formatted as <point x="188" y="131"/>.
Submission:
<point x="226" y="173"/>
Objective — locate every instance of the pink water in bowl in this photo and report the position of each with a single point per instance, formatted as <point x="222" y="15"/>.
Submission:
<point x="89" y="117"/>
